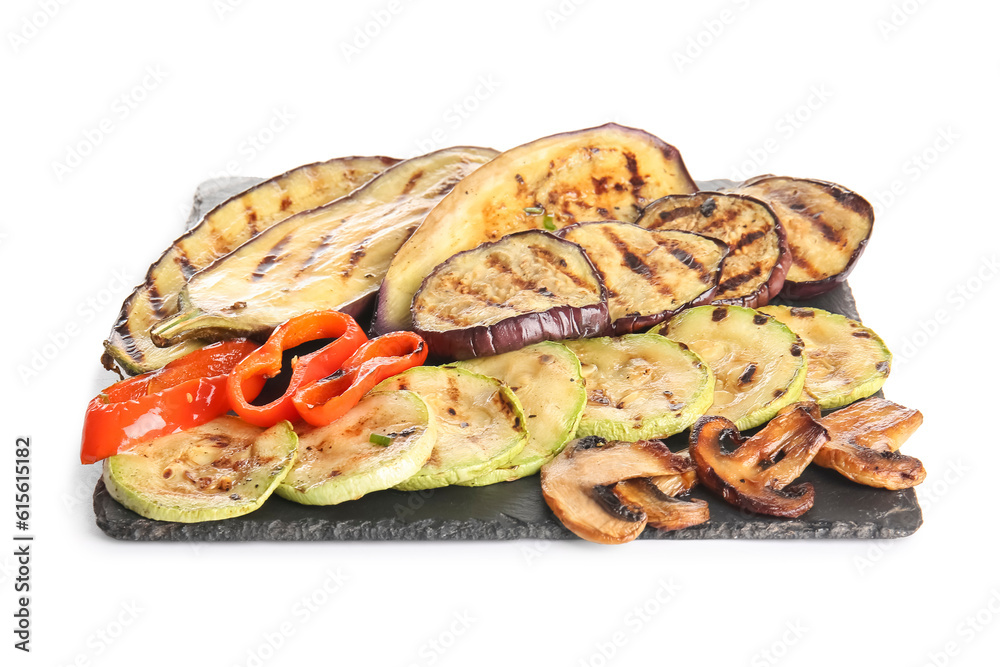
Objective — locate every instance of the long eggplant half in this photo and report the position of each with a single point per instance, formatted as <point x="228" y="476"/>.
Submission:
<point x="759" y="256"/>
<point x="649" y="275"/>
<point x="334" y="256"/>
<point x="603" y="173"/>
<point x="220" y="231"/>
<point x="827" y="225"/>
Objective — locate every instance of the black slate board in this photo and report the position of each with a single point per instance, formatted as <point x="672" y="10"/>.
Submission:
<point x="516" y="510"/>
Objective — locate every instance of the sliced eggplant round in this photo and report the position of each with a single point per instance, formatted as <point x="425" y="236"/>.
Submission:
<point x="846" y="360"/>
<point x="499" y="297"/>
<point x="218" y="470"/>
<point x="759" y="256"/>
<point x="575" y="485"/>
<point x="649" y="275"/>
<point x="383" y="440"/>
<point x="478" y="419"/>
<point x="641" y="386"/>
<point x="546" y="379"/>
<point x="828" y="227"/>
<point x="757" y="361"/>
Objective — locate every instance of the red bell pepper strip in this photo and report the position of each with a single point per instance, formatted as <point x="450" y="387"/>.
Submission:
<point x="185" y="393"/>
<point x="323" y="401"/>
<point x="248" y="377"/>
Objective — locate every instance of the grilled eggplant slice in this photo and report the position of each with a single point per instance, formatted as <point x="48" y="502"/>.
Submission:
<point x="649" y="275"/>
<point x="759" y="257"/>
<point x="330" y="257"/>
<point x="828" y="227"/>
<point x="340" y="461"/>
<point x="221" y="469"/>
<point x="222" y="230"/>
<point x="575" y="485"/>
<point x="864" y="441"/>
<point x="845" y="360"/>
<point x="641" y="386"/>
<point x="662" y="510"/>
<point x="603" y="173"/>
<point x="546" y="379"/>
<point x="479" y="422"/>
<point x="757" y="361"/>
<point x="757" y="475"/>
<point x="526" y="287"/>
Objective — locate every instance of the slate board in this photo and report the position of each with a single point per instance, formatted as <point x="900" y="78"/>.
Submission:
<point x="516" y="510"/>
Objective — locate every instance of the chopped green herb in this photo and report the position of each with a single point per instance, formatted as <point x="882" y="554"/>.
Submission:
<point x="549" y="223"/>
<point x="534" y="210"/>
<point x="380" y="440"/>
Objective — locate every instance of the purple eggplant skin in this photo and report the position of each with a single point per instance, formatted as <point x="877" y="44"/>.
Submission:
<point x="797" y="291"/>
<point x="513" y="333"/>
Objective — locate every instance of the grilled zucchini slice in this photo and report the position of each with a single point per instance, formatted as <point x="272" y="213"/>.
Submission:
<point x="222" y="230"/>
<point x="649" y="275"/>
<point x="219" y="470"/>
<point x="340" y="461"/>
<point x="759" y="256"/>
<point x="546" y="379"/>
<point x="479" y="423"/>
<point x="757" y="361"/>
<point x="846" y="360"/>
<point x="501" y="296"/>
<point x="330" y="257"/>
<point x="602" y="173"/>
<point x="640" y="386"/>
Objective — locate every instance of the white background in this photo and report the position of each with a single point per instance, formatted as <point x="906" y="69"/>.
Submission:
<point x="874" y="95"/>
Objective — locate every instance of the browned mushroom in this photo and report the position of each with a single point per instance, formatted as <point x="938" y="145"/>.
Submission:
<point x="576" y="485"/>
<point x="758" y="474"/>
<point x="681" y="483"/>
<point x="864" y="439"/>
<point x="662" y="510"/>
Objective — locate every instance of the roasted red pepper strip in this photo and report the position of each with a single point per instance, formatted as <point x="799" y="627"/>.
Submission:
<point x="323" y="401"/>
<point x="185" y="393"/>
<point x="247" y="378"/>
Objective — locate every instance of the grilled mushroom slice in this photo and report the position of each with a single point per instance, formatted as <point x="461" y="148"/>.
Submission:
<point x="575" y="485"/>
<point x="827" y="226"/>
<point x="864" y="439"/>
<point x="757" y="475"/>
<point x="657" y="496"/>
<point x="759" y="257"/>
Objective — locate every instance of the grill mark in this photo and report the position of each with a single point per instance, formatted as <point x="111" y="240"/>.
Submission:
<point x="270" y="259"/>
<point x="600" y="185"/>
<point x="735" y="281"/>
<point x="804" y="264"/>
<point x="286" y="202"/>
<point x="748" y="238"/>
<point x="557" y="263"/>
<point x="687" y="259"/>
<point x="719" y="314"/>
<point x="352" y="261"/>
<point x="496" y="263"/>
<point x="669" y="216"/>
<point x="632" y="261"/>
<point x="636" y="181"/>
<point x="408" y="188"/>
<point x="317" y="251"/>
<point x="748" y="374"/>
<point x="828" y="232"/>
<point x="184" y="263"/>
<point x="251" y="219"/>
<point x="156" y="299"/>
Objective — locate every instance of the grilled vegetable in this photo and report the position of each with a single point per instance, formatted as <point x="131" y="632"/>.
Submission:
<point x="827" y="226"/>
<point x="845" y="360"/>
<point x="222" y="230"/>
<point x="218" y="470"/>
<point x="501" y="296"/>
<point x="757" y="474"/>
<point x="649" y="275"/>
<point x="603" y="173"/>
<point x="479" y="424"/>
<point x="681" y="483"/>
<point x="575" y="485"/>
<point x="332" y="257"/>
<point x="759" y="257"/>
<point x="864" y="439"/>
<point x="641" y="386"/>
<point x="662" y="510"/>
<point x="546" y="379"/>
<point x="340" y="461"/>
<point x="757" y="361"/>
